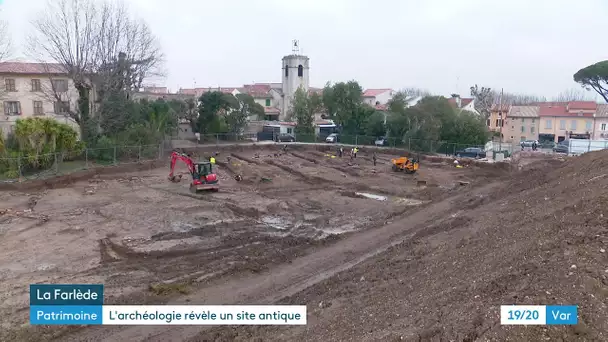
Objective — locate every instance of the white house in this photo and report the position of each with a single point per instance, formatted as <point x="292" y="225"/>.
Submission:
<point x="378" y="96"/>
<point x="467" y="104"/>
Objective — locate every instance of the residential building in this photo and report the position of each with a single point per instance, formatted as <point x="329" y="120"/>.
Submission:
<point x="467" y="104"/>
<point x="156" y="90"/>
<point x="561" y="121"/>
<point x="521" y="124"/>
<point x="375" y="97"/>
<point x="35" y="89"/>
<point x="155" y="93"/>
<point x="498" y="115"/>
<point x="600" y="127"/>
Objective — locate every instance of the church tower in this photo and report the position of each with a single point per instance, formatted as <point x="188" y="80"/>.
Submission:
<point x="294" y="74"/>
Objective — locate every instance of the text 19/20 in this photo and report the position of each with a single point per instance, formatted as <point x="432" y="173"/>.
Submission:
<point x="523" y="315"/>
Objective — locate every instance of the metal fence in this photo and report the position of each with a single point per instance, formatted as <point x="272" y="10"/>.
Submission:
<point x="41" y="166"/>
<point x="411" y="144"/>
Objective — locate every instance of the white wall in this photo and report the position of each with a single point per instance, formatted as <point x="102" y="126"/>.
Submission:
<point x="292" y="81"/>
<point x="597" y="132"/>
<point x="470" y="107"/>
<point x="383" y="98"/>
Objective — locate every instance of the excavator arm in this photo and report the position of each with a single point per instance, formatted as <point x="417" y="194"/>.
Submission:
<point x="175" y="156"/>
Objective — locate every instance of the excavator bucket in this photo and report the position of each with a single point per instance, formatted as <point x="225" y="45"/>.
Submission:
<point x="175" y="178"/>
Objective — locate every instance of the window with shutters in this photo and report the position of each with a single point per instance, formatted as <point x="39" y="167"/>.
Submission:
<point x="267" y="102"/>
<point x="36" y="85"/>
<point x="61" y="107"/>
<point x="38" y="109"/>
<point x="60" y="86"/>
<point x="12" y="108"/>
<point x="9" y="84"/>
<point x="300" y="70"/>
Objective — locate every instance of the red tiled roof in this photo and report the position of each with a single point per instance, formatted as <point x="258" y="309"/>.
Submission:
<point x="258" y="90"/>
<point x="582" y="105"/>
<point x="501" y="108"/>
<point x="288" y="123"/>
<point x="374" y="92"/>
<point x="31" y="68"/>
<point x="271" y="110"/>
<point x="324" y="122"/>
<point x="465" y="101"/>
<point x="546" y="110"/>
<point x="187" y="91"/>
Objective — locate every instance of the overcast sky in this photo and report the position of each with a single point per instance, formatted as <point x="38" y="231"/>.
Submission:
<point x="445" y="46"/>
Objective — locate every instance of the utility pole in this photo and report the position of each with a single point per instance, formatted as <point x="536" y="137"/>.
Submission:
<point x="500" y="120"/>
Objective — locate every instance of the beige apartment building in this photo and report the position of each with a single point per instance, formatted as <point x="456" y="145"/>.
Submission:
<point x="35" y="89"/>
<point x="521" y="123"/>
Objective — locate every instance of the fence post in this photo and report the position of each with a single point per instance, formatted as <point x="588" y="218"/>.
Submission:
<point x="454" y="149"/>
<point x="86" y="158"/>
<point x="356" y="140"/>
<point x="409" y="144"/>
<point x="217" y="139"/>
<point x="56" y="164"/>
<point x="139" y="154"/>
<point x="160" y="151"/>
<point x="19" y="167"/>
<point x="115" y="162"/>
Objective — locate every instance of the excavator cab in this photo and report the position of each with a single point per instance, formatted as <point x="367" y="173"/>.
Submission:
<point x="203" y="177"/>
<point x="203" y="169"/>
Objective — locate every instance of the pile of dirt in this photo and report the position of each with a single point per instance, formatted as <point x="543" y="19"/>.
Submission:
<point x="539" y="238"/>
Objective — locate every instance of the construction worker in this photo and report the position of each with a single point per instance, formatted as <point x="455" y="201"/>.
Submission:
<point x="374" y="158"/>
<point x="355" y="150"/>
<point x="212" y="160"/>
<point x="340" y="151"/>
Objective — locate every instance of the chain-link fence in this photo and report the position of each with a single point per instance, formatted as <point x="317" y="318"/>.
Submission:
<point x="411" y="144"/>
<point x="41" y="166"/>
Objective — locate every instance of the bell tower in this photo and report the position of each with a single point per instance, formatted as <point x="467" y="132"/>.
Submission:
<point x="294" y="74"/>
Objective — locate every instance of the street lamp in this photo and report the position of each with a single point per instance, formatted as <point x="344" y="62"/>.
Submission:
<point x="500" y="128"/>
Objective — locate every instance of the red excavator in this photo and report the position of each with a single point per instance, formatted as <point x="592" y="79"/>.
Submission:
<point x="203" y="178"/>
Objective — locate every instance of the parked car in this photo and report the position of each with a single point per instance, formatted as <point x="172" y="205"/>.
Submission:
<point x="471" y="152"/>
<point x="285" y="137"/>
<point x="528" y="143"/>
<point x="332" y="138"/>
<point x="381" y="142"/>
<point x="562" y="147"/>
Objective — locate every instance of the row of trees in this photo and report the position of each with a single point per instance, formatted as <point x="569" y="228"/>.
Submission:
<point x="431" y="119"/>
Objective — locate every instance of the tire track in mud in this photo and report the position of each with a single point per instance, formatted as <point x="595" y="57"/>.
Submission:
<point x="289" y="279"/>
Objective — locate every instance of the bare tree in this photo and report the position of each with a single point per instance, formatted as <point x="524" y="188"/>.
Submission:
<point x="5" y="41"/>
<point x="413" y="92"/>
<point x="514" y="99"/>
<point x="484" y="98"/>
<point x="574" y="95"/>
<point x="98" y="45"/>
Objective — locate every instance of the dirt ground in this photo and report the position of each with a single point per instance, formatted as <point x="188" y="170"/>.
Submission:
<point x="152" y="241"/>
<point x="375" y="255"/>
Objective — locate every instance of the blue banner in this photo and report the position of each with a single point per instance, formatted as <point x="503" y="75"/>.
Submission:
<point x="66" y="294"/>
<point x="562" y="314"/>
<point x="66" y="314"/>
